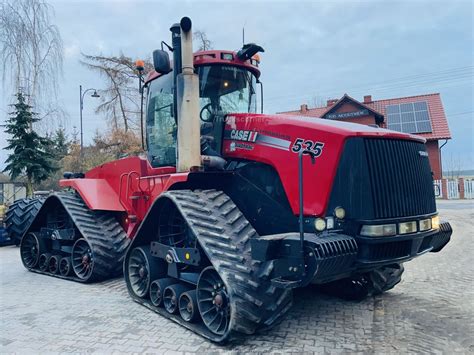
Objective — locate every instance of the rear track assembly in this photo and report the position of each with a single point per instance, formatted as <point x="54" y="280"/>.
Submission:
<point x="93" y="251"/>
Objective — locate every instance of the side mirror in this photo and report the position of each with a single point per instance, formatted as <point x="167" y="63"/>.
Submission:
<point x="161" y="61"/>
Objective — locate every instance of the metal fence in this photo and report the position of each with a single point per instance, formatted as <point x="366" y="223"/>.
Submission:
<point x="453" y="189"/>
<point x="468" y="188"/>
<point x="461" y="188"/>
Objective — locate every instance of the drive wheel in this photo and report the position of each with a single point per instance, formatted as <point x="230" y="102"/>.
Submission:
<point x="142" y="270"/>
<point x="82" y="259"/>
<point x="30" y="250"/>
<point x="213" y="301"/>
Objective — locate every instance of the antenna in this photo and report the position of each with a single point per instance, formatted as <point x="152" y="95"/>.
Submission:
<point x="243" y="35"/>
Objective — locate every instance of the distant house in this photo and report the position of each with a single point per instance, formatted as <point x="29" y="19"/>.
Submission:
<point x="421" y="115"/>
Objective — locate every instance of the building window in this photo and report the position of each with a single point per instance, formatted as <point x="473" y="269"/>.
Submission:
<point x="411" y="117"/>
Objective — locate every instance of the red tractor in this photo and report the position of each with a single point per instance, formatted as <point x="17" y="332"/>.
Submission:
<point x="231" y="209"/>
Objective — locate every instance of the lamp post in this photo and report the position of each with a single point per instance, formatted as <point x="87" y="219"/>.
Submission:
<point x="81" y="106"/>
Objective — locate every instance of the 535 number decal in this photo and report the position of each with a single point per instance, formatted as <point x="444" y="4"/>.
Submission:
<point x="308" y="145"/>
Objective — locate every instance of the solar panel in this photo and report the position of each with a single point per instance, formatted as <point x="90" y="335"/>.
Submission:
<point x="410" y="117"/>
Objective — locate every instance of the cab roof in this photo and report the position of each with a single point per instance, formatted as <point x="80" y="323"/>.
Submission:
<point x="215" y="57"/>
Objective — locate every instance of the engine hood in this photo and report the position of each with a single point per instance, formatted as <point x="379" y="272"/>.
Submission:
<point x="277" y="140"/>
<point x="341" y="128"/>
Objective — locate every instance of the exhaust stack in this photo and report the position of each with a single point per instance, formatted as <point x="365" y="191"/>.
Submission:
<point x="187" y="84"/>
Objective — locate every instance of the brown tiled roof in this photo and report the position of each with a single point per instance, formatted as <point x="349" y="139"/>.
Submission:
<point x="439" y="122"/>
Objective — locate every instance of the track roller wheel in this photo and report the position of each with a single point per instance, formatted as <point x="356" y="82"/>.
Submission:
<point x="188" y="308"/>
<point x="65" y="266"/>
<point x="82" y="259"/>
<point x="213" y="301"/>
<point x="156" y="290"/>
<point x="30" y="249"/>
<point x="142" y="269"/>
<point x="43" y="262"/>
<point x="171" y="296"/>
<point x="53" y="264"/>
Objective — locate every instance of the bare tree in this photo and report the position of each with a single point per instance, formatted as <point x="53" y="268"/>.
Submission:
<point x="318" y="101"/>
<point x="120" y="98"/>
<point x="31" y="51"/>
<point x="453" y="166"/>
<point x="201" y="38"/>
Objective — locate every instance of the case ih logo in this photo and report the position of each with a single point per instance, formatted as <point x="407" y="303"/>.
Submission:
<point x="240" y="135"/>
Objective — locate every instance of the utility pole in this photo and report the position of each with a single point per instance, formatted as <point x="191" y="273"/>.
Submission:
<point x="80" y="109"/>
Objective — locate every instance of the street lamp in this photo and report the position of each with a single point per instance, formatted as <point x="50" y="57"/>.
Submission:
<point x="81" y="106"/>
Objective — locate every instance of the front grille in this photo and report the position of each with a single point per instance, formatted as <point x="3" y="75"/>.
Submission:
<point x="392" y="250"/>
<point x="400" y="176"/>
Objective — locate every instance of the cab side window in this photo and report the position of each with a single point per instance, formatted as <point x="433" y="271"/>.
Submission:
<point x="161" y="128"/>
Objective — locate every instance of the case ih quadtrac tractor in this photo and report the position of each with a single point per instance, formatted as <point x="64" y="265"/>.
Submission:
<point x="231" y="210"/>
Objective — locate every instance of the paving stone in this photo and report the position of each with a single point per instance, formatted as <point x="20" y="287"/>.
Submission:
<point x="430" y="311"/>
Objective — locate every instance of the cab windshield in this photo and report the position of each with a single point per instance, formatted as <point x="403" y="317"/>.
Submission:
<point x="222" y="90"/>
<point x="228" y="89"/>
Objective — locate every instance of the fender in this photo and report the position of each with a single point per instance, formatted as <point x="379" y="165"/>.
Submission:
<point x="96" y="193"/>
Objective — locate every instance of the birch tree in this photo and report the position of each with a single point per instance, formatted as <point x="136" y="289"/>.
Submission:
<point x="31" y="52"/>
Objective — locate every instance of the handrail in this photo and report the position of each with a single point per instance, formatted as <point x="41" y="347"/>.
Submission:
<point x="120" y="191"/>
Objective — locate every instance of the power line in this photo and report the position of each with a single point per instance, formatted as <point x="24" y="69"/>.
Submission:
<point x="392" y="86"/>
<point x="442" y="76"/>
<point x="460" y="113"/>
<point x="453" y="71"/>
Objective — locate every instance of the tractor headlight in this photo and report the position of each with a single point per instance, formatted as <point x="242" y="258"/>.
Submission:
<point x="425" y="224"/>
<point x="407" y="227"/>
<point x="381" y="230"/>
<point x="435" y="222"/>
<point x="320" y="224"/>
<point x="340" y="212"/>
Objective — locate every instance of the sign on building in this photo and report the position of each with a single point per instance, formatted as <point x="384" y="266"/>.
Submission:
<point x="342" y="115"/>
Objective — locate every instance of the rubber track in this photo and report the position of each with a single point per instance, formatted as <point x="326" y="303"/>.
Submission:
<point x="20" y="215"/>
<point x="224" y="234"/>
<point x="385" y="278"/>
<point x="359" y="287"/>
<point x="105" y="235"/>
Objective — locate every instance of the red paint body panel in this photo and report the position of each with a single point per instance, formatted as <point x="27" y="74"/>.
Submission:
<point x="130" y="186"/>
<point x="96" y="193"/>
<point x="276" y="134"/>
<point x="127" y="185"/>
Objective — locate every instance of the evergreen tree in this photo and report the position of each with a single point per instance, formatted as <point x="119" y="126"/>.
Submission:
<point x="60" y="143"/>
<point x="31" y="154"/>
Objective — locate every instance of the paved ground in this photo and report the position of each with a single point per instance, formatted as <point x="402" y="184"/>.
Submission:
<point x="431" y="311"/>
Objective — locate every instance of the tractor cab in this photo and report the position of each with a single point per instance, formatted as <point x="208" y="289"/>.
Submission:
<point x="227" y="84"/>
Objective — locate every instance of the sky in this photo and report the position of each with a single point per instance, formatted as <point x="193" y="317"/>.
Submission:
<point x="313" y="51"/>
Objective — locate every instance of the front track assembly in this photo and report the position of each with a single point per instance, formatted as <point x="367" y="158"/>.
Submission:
<point x="70" y="241"/>
<point x="191" y="262"/>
